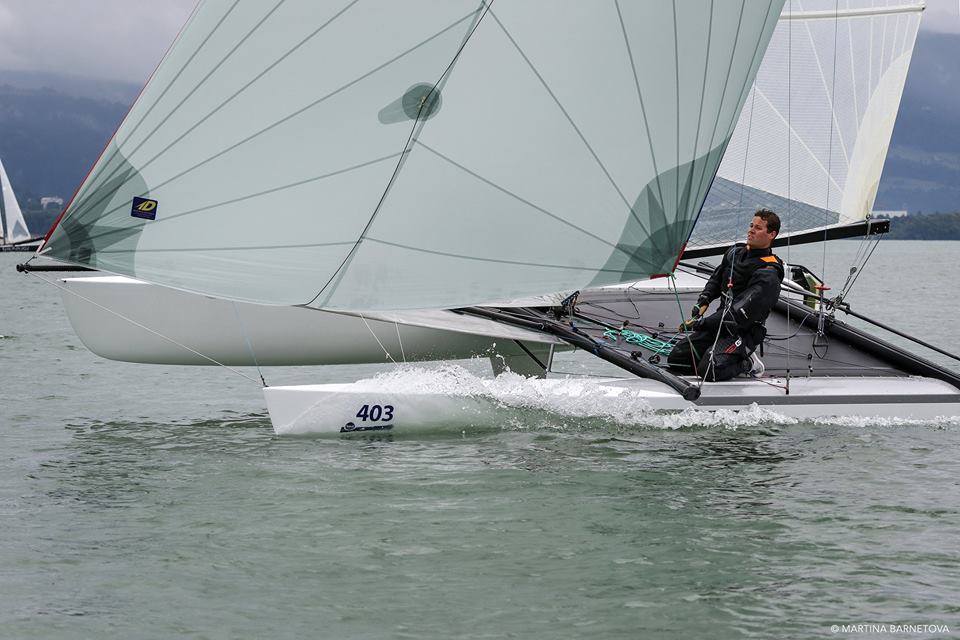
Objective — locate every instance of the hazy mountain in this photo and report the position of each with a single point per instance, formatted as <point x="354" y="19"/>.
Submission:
<point x="49" y="138"/>
<point x="53" y="127"/>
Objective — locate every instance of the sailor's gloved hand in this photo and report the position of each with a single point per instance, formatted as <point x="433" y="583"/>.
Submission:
<point x="696" y="315"/>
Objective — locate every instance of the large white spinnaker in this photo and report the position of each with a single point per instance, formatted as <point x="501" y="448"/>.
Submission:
<point x="426" y="154"/>
<point x="814" y="132"/>
<point x="14" y="227"/>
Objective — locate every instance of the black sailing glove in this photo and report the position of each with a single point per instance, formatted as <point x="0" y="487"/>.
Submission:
<point x="696" y="315"/>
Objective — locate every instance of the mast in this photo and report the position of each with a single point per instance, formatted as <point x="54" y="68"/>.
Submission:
<point x="3" y="206"/>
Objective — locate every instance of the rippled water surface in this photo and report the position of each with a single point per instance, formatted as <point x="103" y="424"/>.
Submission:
<point x="140" y="501"/>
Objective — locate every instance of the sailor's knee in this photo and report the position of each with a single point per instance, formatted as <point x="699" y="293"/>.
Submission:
<point x="679" y="355"/>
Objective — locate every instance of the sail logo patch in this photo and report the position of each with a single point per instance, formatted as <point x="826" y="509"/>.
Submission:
<point x="144" y="208"/>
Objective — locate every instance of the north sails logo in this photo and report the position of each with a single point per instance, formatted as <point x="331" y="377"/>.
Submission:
<point x="144" y="208"/>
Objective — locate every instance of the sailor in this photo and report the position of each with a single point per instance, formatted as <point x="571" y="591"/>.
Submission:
<point x="722" y="344"/>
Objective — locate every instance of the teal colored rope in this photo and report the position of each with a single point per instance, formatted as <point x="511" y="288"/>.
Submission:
<point x="659" y="347"/>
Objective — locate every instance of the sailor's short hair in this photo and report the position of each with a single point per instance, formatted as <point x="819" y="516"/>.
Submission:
<point x="772" y="220"/>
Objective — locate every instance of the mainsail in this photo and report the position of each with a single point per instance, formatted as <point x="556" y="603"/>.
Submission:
<point x="814" y="132"/>
<point x="13" y="227"/>
<point x="426" y="154"/>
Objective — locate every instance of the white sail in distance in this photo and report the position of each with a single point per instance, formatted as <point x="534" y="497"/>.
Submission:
<point x="14" y="227"/>
<point x="362" y="155"/>
<point x="814" y="132"/>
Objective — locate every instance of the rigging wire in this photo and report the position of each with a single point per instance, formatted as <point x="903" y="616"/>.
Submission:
<point x="246" y="338"/>
<point x="849" y="285"/>
<point x="863" y="244"/>
<point x="618" y="318"/>
<point x="386" y="353"/>
<point x="400" y="341"/>
<point x="793" y="335"/>
<point x="833" y="97"/>
<point x="144" y="327"/>
<point x="746" y="156"/>
<point x="789" y="160"/>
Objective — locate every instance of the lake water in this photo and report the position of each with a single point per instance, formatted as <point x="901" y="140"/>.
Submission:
<point x="156" y="502"/>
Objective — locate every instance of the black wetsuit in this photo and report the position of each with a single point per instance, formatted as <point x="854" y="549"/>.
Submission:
<point x="756" y="275"/>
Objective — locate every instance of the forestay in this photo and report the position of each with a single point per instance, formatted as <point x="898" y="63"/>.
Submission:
<point x="370" y="155"/>
<point x="814" y="132"/>
<point x="13" y="228"/>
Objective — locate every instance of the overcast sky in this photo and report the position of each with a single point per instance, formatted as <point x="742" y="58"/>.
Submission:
<point x="941" y="15"/>
<point x="111" y="39"/>
<point x="124" y="39"/>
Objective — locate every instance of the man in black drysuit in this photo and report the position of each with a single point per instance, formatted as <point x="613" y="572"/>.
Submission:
<point x="751" y="274"/>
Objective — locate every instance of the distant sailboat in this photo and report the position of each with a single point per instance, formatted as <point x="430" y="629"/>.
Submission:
<point x="13" y="228"/>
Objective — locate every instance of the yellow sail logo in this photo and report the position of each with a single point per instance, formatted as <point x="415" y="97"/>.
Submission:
<point x="144" y="208"/>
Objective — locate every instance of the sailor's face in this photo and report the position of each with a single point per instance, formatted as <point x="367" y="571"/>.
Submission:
<point x="757" y="235"/>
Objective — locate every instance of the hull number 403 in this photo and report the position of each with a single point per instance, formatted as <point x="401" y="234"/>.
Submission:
<point x="375" y="412"/>
<point x="382" y="414"/>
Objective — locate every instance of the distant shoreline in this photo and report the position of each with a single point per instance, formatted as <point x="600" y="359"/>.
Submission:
<point x="929" y="226"/>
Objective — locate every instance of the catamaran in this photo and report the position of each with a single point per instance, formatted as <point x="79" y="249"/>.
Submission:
<point x="367" y="182"/>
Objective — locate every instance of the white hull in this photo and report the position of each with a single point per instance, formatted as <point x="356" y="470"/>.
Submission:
<point x="403" y="408"/>
<point x="278" y="336"/>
